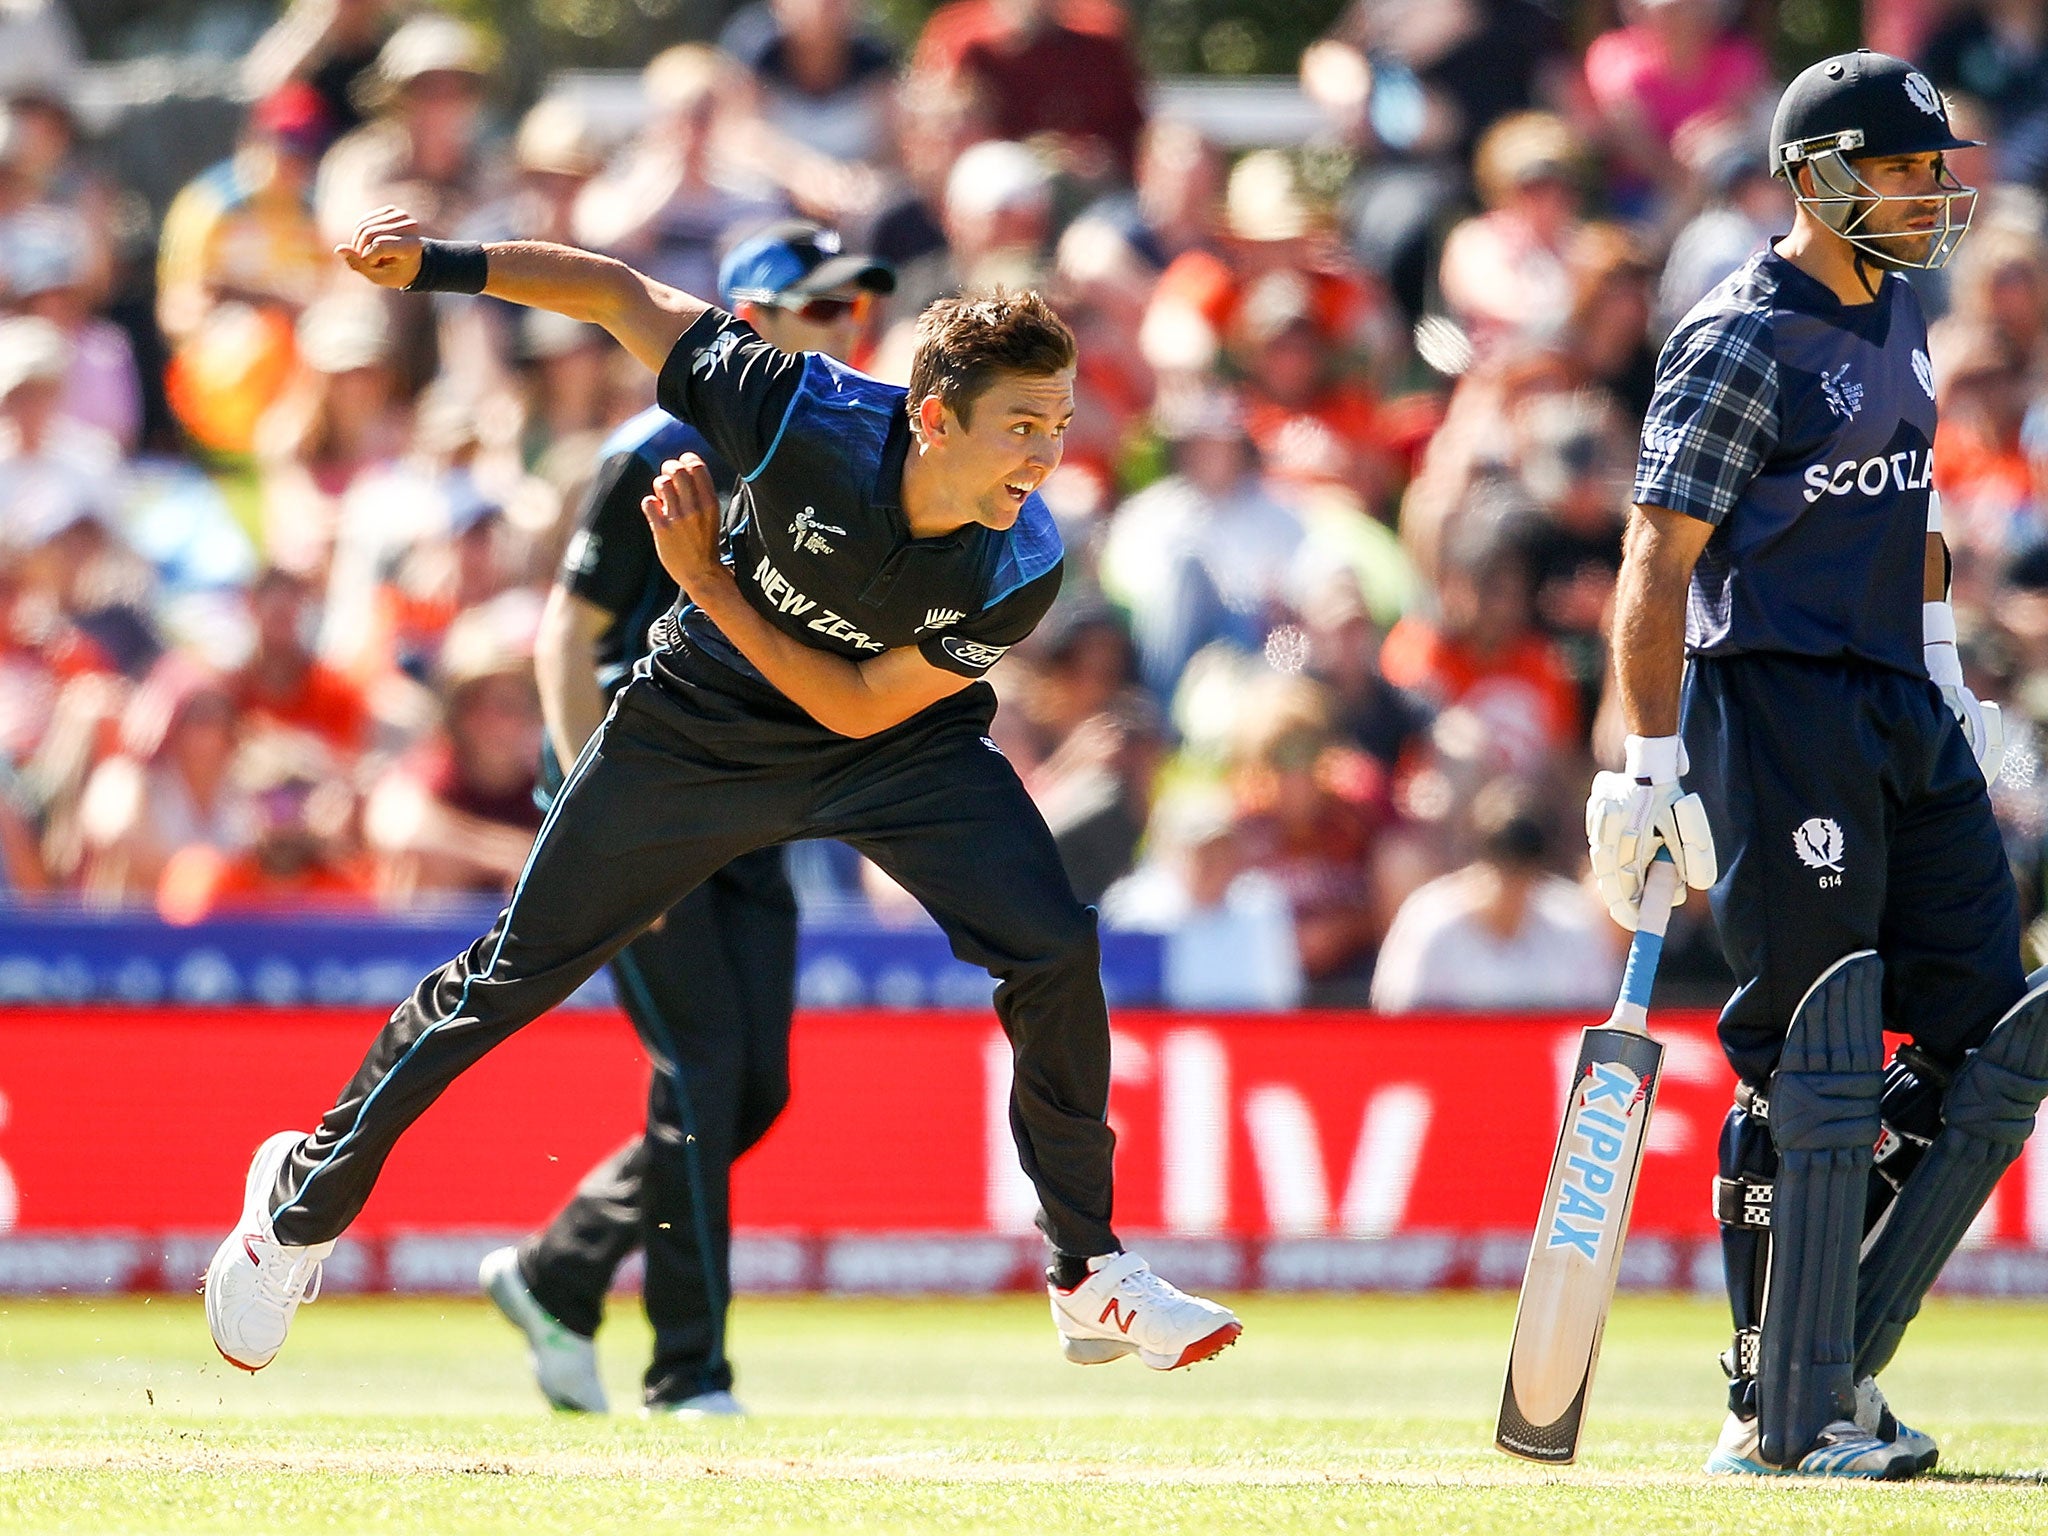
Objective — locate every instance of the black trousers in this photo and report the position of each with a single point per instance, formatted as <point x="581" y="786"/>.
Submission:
<point x="693" y="767"/>
<point x="1848" y="814"/>
<point x="710" y="993"/>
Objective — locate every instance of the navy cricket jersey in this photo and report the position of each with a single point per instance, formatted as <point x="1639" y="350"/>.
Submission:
<point x="816" y="535"/>
<point x="610" y="561"/>
<point x="1802" y="428"/>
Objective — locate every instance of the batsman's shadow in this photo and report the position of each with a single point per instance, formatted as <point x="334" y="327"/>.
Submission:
<point x="1963" y="1477"/>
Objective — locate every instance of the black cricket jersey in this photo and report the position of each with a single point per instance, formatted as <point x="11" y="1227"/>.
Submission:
<point x="815" y="533"/>
<point x="1802" y="428"/>
<point x="610" y="561"/>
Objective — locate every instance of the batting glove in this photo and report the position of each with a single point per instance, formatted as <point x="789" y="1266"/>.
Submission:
<point x="1983" y="724"/>
<point x="1630" y="815"/>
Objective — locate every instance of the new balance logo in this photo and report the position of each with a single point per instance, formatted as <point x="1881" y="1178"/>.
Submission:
<point x="939" y="618"/>
<point x="1123" y="1319"/>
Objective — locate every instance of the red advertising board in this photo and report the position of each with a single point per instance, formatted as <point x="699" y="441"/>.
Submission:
<point x="1261" y="1129"/>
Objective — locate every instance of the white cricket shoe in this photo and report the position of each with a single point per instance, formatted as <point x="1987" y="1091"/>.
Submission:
<point x="705" y="1405"/>
<point x="1123" y="1308"/>
<point x="564" y="1363"/>
<point x="1844" y="1450"/>
<point x="1875" y="1417"/>
<point x="255" y="1283"/>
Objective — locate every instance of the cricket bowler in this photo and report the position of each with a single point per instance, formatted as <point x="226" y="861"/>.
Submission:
<point x="821" y="676"/>
<point x="710" y="988"/>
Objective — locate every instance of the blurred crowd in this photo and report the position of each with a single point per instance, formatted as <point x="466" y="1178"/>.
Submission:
<point x="1343" y="496"/>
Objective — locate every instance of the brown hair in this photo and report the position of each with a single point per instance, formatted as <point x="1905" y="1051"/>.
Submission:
<point x="963" y="343"/>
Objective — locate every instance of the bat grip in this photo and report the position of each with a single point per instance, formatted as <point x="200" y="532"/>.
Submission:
<point x="1631" y="1010"/>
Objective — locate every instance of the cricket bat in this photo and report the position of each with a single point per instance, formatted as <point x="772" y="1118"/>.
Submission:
<point x="1569" y="1284"/>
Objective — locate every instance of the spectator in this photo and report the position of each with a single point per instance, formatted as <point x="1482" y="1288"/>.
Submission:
<point x="1270" y="224"/>
<point x="1423" y="80"/>
<point x="1981" y="463"/>
<point x="1503" y="932"/>
<point x="300" y="854"/>
<point x="1173" y="208"/>
<point x="239" y="258"/>
<point x="168" y="788"/>
<point x="1504" y="274"/>
<point x="1607" y="329"/>
<point x="934" y="121"/>
<point x="420" y="541"/>
<point x="1746" y="206"/>
<point x="53" y="470"/>
<point x="457" y="816"/>
<point x="1311" y="813"/>
<point x="1367" y="711"/>
<point x="1484" y="656"/>
<point x="1060" y="68"/>
<point x="43" y="264"/>
<point x="332" y="46"/>
<point x="998" y="217"/>
<point x="40" y="143"/>
<point x="1229" y="932"/>
<point x="822" y="75"/>
<point x="1091" y="743"/>
<point x="342" y="417"/>
<point x="1207" y="552"/>
<point x="1575" y="466"/>
<point x="1998" y="285"/>
<point x="820" y="91"/>
<point x="283" y="685"/>
<point x="556" y="154"/>
<point x="423" y="149"/>
<point x="1314" y="424"/>
<point x="673" y="202"/>
<point x="1100" y="287"/>
<point x="1995" y="52"/>
<point x="1676" y="67"/>
<point x="1412" y="86"/>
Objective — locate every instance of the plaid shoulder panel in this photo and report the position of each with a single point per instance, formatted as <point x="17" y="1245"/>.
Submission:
<point x="1714" y="417"/>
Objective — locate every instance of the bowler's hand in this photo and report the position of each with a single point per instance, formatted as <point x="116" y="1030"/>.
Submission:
<point x="385" y="248"/>
<point x="683" y="512"/>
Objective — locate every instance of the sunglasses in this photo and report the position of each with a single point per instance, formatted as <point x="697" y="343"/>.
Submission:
<point x="826" y="311"/>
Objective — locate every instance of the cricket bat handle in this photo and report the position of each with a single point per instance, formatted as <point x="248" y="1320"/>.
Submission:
<point x="1632" y="1007"/>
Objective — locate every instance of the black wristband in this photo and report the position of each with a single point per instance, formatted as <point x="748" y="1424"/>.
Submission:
<point x="450" y="266"/>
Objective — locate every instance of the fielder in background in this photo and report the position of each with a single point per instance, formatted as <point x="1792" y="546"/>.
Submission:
<point x="823" y="678"/>
<point x="1786" y="542"/>
<point x="710" y="987"/>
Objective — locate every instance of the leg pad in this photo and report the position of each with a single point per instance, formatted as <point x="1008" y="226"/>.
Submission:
<point x="1988" y="1114"/>
<point x="1823" y="1117"/>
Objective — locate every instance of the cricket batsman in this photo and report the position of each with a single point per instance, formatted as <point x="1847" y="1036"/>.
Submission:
<point x="1822" y="769"/>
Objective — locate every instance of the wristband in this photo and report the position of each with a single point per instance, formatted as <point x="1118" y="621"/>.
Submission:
<point x="1934" y="511"/>
<point x="1651" y="759"/>
<point x="1938" y="645"/>
<point x="450" y="266"/>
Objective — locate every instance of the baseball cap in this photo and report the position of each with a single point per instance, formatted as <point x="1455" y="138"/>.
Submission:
<point x="31" y="350"/>
<point x="797" y="257"/>
<point x="296" y="116"/>
<point x="41" y="251"/>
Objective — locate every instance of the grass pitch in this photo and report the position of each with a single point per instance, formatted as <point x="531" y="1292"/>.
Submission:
<point x="1352" y="1414"/>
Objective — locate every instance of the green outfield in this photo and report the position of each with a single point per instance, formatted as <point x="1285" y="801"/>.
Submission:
<point x="1357" y="1414"/>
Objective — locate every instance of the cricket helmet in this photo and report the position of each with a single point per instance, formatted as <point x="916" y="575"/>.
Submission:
<point x="1860" y="106"/>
